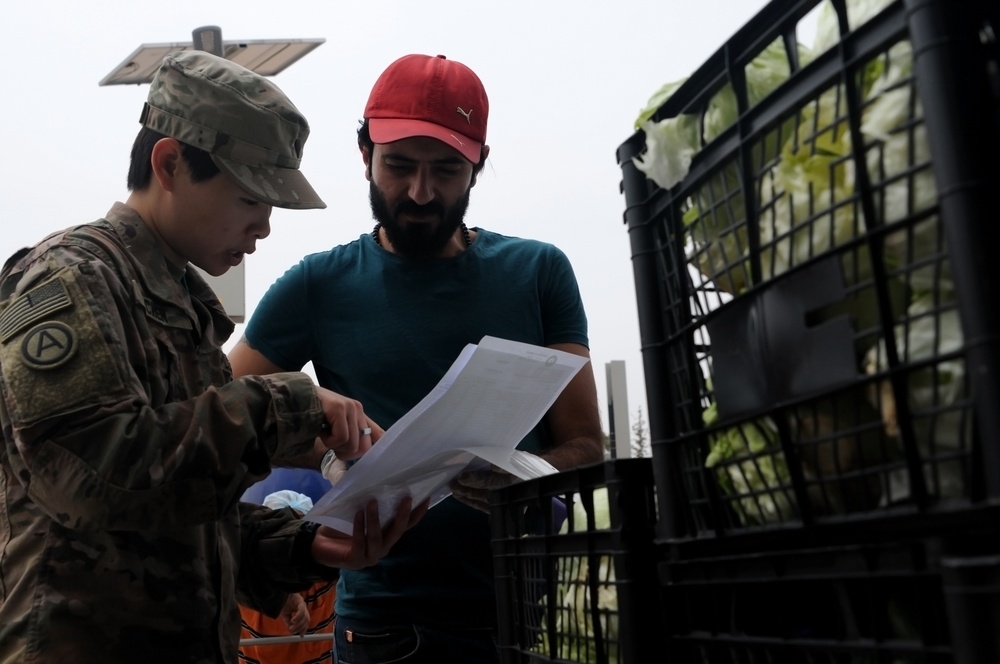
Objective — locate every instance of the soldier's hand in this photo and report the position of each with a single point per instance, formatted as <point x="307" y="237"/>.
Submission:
<point x="347" y="431"/>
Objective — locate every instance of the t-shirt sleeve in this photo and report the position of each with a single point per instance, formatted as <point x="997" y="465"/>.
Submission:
<point x="279" y="326"/>
<point x="563" y="315"/>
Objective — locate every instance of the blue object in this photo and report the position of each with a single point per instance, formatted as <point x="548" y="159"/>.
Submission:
<point x="305" y="481"/>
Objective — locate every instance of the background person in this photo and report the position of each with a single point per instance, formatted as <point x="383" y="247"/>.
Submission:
<point x="126" y="441"/>
<point x="307" y="612"/>
<point x="383" y="318"/>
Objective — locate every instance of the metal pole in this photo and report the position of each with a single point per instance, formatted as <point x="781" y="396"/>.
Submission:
<point x="291" y="638"/>
<point x="208" y="38"/>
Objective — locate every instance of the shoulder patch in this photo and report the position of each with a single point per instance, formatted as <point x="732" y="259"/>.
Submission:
<point x="37" y="303"/>
<point x="64" y="362"/>
<point x="48" y="345"/>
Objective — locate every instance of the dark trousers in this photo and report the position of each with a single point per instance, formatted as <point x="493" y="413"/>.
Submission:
<point x="359" y="642"/>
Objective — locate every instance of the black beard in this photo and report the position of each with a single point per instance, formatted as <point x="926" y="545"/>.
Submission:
<point x="418" y="241"/>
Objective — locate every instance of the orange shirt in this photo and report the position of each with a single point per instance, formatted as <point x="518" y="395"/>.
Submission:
<point x="319" y="599"/>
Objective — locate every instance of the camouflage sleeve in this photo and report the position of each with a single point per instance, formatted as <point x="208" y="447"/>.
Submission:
<point x="104" y="437"/>
<point x="275" y="558"/>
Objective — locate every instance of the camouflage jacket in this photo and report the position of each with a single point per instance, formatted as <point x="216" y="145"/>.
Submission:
<point x="126" y="447"/>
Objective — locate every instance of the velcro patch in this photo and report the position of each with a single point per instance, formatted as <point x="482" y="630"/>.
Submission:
<point x="37" y="303"/>
<point x="48" y="345"/>
<point x="64" y="362"/>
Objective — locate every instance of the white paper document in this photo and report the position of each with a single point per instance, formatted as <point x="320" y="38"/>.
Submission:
<point x="492" y="396"/>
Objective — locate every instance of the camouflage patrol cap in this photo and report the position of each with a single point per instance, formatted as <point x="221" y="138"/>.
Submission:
<point x="250" y="128"/>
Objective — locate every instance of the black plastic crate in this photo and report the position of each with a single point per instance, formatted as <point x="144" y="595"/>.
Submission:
<point x="920" y="601"/>
<point x="816" y="294"/>
<point x="575" y="565"/>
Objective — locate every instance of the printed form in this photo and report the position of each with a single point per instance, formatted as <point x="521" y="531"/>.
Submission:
<point x="492" y="396"/>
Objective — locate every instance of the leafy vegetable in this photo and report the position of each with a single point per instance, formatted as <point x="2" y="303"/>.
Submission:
<point x="751" y="466"/>
<point x="671" y="143"/>
<point x="941" y="431"/>
<point x="806" y="196"/>
<point x="858" y="13"/>
<point x="806" y="201"/>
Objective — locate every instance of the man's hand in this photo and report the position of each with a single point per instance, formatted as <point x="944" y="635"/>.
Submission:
<point x="473" y="486"/>
<point x="370" y="541"/>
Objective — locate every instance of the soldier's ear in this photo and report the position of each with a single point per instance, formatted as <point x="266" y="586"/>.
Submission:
<point x="166" y="161"/>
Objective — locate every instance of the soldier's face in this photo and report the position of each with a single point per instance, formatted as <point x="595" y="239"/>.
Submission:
<point x="217" y="223"/>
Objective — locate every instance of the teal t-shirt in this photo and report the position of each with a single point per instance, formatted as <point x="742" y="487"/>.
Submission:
<point x="384" y="330"/>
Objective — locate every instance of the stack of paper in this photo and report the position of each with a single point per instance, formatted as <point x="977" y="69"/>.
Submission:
<point x="487" y="402"/>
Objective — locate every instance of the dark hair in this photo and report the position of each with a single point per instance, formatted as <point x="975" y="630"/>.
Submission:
<point x="365" y="141"/>
<point x="140" y="171"/>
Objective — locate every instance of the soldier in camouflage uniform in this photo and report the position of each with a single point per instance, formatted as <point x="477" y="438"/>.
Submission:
<point x="126" y="441"/>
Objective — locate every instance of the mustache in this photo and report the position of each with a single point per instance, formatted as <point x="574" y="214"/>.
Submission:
<point x="409" y="207"/>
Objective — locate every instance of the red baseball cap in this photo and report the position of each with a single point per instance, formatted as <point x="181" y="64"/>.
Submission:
<point x="420" y="95"/>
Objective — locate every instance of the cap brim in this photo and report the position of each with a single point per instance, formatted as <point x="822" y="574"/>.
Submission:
<point x="388" y="130"/>
<point x="280" y="187"/>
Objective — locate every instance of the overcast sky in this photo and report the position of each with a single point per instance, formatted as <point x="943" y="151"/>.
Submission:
<point x="565" y="81"/>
